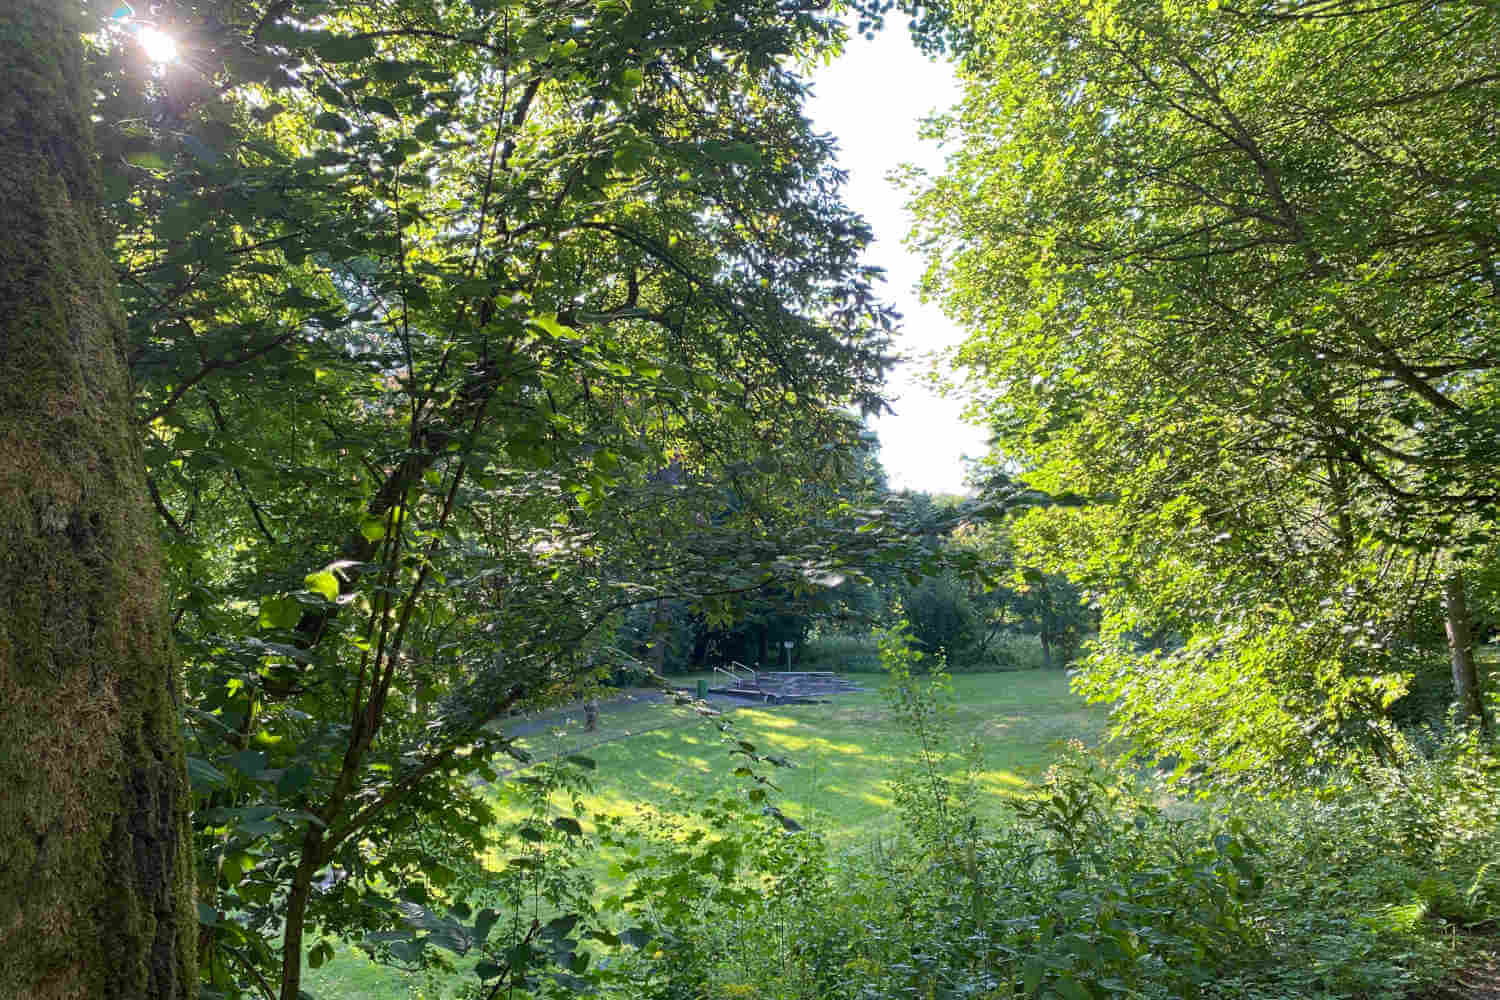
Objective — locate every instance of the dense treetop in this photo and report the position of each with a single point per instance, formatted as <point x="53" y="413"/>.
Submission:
<point x="1229" y="271"/>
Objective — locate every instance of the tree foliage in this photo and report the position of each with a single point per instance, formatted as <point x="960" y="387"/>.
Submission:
<point x="1229" y="272"/>
<point x="454" y="328"/>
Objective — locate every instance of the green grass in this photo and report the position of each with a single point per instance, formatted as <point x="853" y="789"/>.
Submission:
<point x="655" y="755"/>
<point x="843" y="751"/>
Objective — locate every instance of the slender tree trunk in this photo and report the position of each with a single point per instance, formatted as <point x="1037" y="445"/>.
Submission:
<point x="657" y="650"/>
<point x="1461" y="651"/>
<point x="298" y="894"/>
<point x="95" y="872"/>
<point x="989" y="635"/>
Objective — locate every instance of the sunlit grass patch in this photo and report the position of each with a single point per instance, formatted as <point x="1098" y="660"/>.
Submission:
<point x="655" y="758"/>
<point x="842" y="751"/>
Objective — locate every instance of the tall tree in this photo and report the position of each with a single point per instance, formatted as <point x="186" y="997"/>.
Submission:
<point x="95" y="877"/>
<point x="474" y="276"/>
<point x="1230" y="268"/>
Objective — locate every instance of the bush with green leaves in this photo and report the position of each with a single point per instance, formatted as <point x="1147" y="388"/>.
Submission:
<point x="1007" y="651"/>
<point x="1094" y="889"/>
<point x="1093" y="886"/>
<point x="941" y="615"/>
<point x="845" y="653"/>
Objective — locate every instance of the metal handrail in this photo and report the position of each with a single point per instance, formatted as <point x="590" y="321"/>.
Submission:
<point x="754" y="676"/>
<point x="733" y="674"/>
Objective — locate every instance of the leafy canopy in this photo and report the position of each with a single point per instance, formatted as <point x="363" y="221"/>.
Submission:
<point x="1229" y="272"/>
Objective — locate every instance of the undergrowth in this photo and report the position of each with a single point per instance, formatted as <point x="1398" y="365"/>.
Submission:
<point x="1088" y="888"/>
<point x="860" y="654"/>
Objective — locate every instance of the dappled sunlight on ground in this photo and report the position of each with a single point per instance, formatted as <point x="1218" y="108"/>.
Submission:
<point x="843" y="752"/>
<point x="869" y="795"/>
<point x="862" y="714"/>
<point x="657" y="764"/>
<point x="815" y="744"/>
<point x="765" y="718"/>
<point x="1002" y="782"/>
<point x="677" y="761"/>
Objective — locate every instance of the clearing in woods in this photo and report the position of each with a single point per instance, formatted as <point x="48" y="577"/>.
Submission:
<point x="652" y="753"/>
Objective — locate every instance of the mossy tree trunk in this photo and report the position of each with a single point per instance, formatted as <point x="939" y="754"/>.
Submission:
<point x="1461" y="652"/>
<point x="95" y="875"/>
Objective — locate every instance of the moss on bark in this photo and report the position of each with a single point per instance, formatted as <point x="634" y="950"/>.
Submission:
<point x="95" y="875"/>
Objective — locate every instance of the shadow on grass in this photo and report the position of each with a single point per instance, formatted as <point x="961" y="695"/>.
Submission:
<point x="663" y="757"/>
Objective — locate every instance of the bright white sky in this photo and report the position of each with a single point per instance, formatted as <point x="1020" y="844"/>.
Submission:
<point x="872" y="100"/>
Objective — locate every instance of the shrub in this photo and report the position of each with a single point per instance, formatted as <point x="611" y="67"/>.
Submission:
<point x="1089" y="889"/>
<point x="853" y="654"/>
<point x="943" y="619"/>
<point x="1009" y="651"/>
<point x="1092" y="890"/>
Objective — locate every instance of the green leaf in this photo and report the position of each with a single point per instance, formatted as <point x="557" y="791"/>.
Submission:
<point x="578" y="760"/>
<point x="248" y="762"/>
<point x="147" y="160"/>
<point x="294" y="779"/>
<point x="484" y="923"/>
<point x="235" y="865"/>
<point x="373" y="528"/>
<point x="742" y="152"/>
<point x="548" y="322"/>
<point x="1031" y="976"/>
<point x="324" y="583"/>
<point x="408" y="951"/>
<point x="330" y="122"/>
<point x="380" y="106"/>
<point x="630" y="158"/>
<point x="345" y="49"/>
<point x="560" y="927"/>
<point x="519" y="956"/>
<point x="1070" y="988"/>
<point x="257" y="828"/>
<point x="202" y="774"/>
<point x="320" y="954"/>
<point x="636" y="937"/>
<point x="201" y="151"/>
<point x="393" y="71"/>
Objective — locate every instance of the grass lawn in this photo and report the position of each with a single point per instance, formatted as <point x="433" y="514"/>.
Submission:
<point x="843" y="751"/>
<point x="666" y="757"/>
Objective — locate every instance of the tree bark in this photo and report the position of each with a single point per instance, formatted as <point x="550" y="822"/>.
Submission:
<point x="95" y="871"/>
<point x="1461" y="652"/>
<point x="659" y="637"/>
<point x="298" y="894"/>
